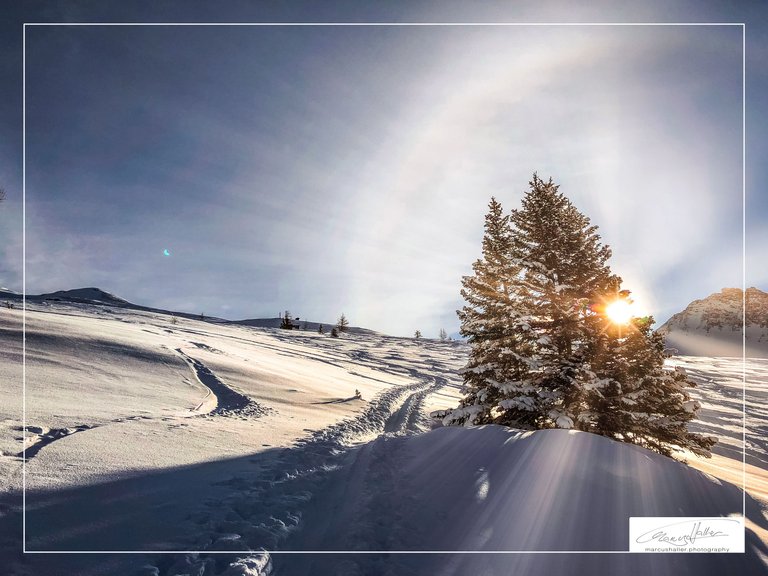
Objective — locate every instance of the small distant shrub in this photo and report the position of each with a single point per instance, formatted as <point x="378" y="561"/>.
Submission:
<point x="334" y="332"/>
<point x="174" y="320"/>
<point x="286" y="321"/>
<point x="342" y="324"/>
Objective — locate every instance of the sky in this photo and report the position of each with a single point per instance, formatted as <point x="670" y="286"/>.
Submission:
<point x="348" y="168"/>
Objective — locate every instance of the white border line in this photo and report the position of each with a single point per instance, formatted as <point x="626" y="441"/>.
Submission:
<point x="369" y="24"/>
<point x="366" y="552"/>
<point x="24" y="289"/>
<point x="401" y="24"/>
<point x="744" y="268"/>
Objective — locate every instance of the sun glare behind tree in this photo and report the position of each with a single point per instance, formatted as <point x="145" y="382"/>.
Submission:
<point x="619" y="312"/>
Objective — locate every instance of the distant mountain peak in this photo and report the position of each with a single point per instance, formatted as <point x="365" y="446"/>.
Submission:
<point x="723" y="309"/>
<point x="713" y="325"/>
<point x="90" y="294"/>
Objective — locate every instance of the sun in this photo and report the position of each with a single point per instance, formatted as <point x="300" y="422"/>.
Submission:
<point x="619" y="312"/>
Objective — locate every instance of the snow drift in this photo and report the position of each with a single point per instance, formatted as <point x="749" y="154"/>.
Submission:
<point x="495" y="489"/>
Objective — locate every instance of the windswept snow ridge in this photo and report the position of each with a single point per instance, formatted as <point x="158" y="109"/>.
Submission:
<point x="228" y="401"/>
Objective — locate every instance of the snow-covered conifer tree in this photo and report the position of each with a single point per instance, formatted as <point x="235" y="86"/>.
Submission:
<point x="564" y="270"/>
<point x="544" y="352"/>
<point x="496" y="325"/>
<point x="637" y="399"/>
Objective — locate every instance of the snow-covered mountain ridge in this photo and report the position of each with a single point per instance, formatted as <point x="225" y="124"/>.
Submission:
<point x="90" y="295"/>
<point x="722" y="310"/>
<point x="712" y="326"/>
<point x="99" y="297"/>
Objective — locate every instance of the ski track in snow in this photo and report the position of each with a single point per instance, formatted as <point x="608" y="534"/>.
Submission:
<point x="265" y="510"/>
<point x="41" y="438"/>
<point x="38" y="437"/>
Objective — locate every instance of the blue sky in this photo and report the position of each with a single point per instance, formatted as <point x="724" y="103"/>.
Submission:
<point x="348" y="169"/>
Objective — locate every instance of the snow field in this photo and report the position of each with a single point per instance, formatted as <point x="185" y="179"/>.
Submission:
<point x="124" y="401"/>
<point x="145" y="434"/>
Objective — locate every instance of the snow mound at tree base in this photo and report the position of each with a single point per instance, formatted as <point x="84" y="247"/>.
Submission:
<point x="491" y="488"/>
<point x="548" y="490"/>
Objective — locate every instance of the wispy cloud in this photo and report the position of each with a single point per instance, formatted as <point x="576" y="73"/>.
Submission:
<point x="349" y="169"/>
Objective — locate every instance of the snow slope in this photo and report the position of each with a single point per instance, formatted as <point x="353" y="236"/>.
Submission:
<point x="127" y="401"/>
<point x="145" y="434"/>
<point x="723" y="395"/>
<point x="713" y="326"/>
<point x="494" y="489"/>
<point x="107" y="370"/>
